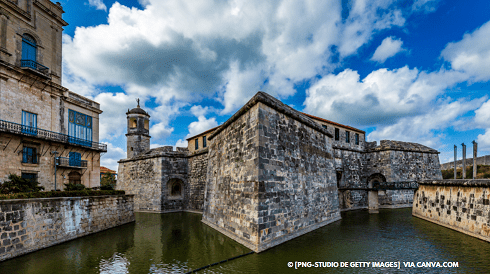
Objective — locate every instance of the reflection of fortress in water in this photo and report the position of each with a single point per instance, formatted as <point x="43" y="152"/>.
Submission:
<point x="271" y="173"/>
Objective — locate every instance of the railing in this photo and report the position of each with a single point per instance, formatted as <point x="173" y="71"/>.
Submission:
<point x="34" y="65"/>
<point x="15" y="128"/>
<point x="65" y="161"/>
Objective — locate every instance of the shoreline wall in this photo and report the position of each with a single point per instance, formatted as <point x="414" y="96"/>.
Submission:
<point x="27" y="225"/>
<point x="462" y="205"/>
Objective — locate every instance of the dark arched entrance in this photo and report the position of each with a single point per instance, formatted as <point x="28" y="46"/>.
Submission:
<point x="375" y="179"/>
<point x="74" y="177"/>
<point x="175" y="189"/>
<point x="373" y="182"/>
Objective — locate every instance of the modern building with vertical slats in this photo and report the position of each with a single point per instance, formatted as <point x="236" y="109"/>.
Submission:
<point x="37" y="115"/>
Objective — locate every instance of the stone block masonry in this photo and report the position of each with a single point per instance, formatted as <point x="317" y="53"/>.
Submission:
<point x="28" y="225"/>
<point x="271" y="175"/>
<point x="462" y="205"/>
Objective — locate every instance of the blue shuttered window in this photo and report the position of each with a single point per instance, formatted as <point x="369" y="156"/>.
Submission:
<point x="79" y="128"/>
<point x="29" y="123"/>
<point x="29" y="48"/>
<point x="29" y="155"/>
<point x="75" y="159"/>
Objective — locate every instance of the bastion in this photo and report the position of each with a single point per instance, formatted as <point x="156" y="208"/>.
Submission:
<point x="271" y="175"/>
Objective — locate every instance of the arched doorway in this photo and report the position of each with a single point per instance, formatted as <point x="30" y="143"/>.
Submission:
<point x="373" y="182"/>
<point x="175" y="189"/>
<point x="74" y="177"/>
<point x="375" y="179"/>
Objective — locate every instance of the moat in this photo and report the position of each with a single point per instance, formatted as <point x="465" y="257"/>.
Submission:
<point x="179" y="242"/>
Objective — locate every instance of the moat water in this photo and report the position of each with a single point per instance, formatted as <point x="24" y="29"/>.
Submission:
<point x="179" y="242"/>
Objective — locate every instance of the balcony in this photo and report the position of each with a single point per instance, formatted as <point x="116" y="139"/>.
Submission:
<point x="67" y="162"/>
<point x="33" y="65"/>
<point x="47" y="135"/>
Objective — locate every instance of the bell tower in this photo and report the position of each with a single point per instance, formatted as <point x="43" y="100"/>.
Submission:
<point x="138" y="136"/>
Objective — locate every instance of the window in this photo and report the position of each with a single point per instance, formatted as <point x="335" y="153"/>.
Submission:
<point x="337" y="134"/>
<point x="197" y="143"/>
<point x="203" y="141"/>
<point x="29" y="155"/>
<point x="347" y="136"/>
<point x="79" y="128"/>
<point x="29" y="123"/>
<point x="132" y="122"/>
<point x="324" y="126"/>
<point x="357" y="138"/>
<point x="74" y="159"/>
<point x="29" y="49"/>
<point x="147" y="124"/>
<point x="29" y="176"/>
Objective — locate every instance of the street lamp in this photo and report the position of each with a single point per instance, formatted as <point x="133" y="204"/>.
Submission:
<point x="55" y="166"/>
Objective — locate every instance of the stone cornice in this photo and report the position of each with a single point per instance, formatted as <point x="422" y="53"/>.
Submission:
<point x="51" y="13"/>
<point x="15" y="8"/>
<point x="274" y="103"/>
<point x="457" y="182"/>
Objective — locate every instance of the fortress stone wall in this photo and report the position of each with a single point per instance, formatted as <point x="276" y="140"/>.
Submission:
<point x="462" y="205"/>
<point x="27" y="225"/>
<point x="271" y="173"/>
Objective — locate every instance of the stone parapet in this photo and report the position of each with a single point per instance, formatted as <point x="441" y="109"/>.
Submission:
<point x="27" y="225"/>
<point x="462" y="205"/>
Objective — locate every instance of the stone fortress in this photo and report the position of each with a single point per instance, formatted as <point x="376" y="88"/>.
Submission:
<point x="271" y="173"/>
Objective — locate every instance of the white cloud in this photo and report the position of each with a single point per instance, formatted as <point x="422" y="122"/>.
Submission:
<point x="199" y="110"/>
<point x="112" y="122"/>
<point x="98" y="4"/>
<point x="483" y="141"/>
<point x="201" y="125"/>
<point x="425" y="6"/>
<point x="422" y="128"/>
<point x="113" y="155"/>
<point x="365" y="18"/>
<point x="174" y="50"/>
<point x="382" y="97"/>
<point x="482" y="120"/>
<point x="181" y="143"/>
<point x="482" y="115"/>
<point x="388" y="48"/>
<point x="471" y="54"/>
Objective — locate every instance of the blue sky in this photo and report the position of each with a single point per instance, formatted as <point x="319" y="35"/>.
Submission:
<point x="413" y="71"/>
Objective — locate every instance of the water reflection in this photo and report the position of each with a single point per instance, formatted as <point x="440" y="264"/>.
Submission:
<point x="179" y="242"/>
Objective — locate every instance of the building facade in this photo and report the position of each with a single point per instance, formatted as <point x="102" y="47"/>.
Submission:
<point x="45" y="129"/>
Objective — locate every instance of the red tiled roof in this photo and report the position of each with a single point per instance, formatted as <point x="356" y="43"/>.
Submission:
<point x="207" y="131"/>
<point x="333" y="123"/>
<point x="104" y="169"/>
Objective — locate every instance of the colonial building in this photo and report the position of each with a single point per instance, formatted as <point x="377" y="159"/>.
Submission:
<point x="271" y="173"/>
<point x="45" y="129"/>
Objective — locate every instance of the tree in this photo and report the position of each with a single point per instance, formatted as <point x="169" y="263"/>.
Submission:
<point x="108" y="182"/>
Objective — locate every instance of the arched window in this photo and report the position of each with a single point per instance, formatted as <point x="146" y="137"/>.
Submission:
<point x="29" y="48"/>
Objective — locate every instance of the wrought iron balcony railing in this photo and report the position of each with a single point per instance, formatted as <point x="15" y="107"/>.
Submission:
<point x="66" y="162"/>
<point x="34" y="65"/>
<point x="15" y="128"/>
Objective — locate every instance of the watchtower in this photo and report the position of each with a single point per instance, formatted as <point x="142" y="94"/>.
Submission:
<point x="138" y="136"/>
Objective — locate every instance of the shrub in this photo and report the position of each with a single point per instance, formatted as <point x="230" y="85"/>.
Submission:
<point x="74" y="187"/>
<point x="17" y="184"/>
